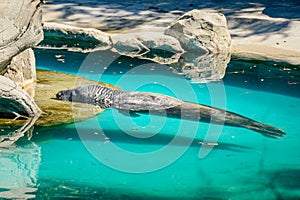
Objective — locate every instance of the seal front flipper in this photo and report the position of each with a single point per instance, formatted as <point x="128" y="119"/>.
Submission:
<point x="129" y="113"/>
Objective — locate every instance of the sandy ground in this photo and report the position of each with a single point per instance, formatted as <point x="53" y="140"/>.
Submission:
<point x="260" y="29"/>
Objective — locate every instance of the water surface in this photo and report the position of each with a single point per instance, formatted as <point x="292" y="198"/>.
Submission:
<point x="71" y="161"/>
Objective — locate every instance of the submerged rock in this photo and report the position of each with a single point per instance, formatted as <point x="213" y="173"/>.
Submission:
<point x="56" y="112"/>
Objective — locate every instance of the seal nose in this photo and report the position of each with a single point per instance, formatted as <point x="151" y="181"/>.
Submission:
<point x="59" y="95"/>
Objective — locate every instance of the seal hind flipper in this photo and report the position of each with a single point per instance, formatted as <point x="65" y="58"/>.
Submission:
<point x="266" y="130"/>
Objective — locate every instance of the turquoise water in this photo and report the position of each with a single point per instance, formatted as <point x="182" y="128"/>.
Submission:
<point x="116" y="156"/>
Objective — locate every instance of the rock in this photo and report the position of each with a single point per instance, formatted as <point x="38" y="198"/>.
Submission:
<point x="160" y="41"/>
<point x="154" y="46"/>
<point x="15" y="104"/>
<point x="201" y="31"/>
<point x="203" y="34"/>
<point x="128" y="45"/>
<point x="22" y="68"/>
<point x="73" y="38"/>
<point x="14" y="101"/>
<point x="20" y="28"/>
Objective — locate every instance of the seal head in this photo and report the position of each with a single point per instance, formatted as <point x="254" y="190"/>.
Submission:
<point x="90" y="94"/>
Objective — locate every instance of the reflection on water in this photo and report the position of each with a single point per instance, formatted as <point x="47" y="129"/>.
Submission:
<point x="12" y="133"/>
<point x="19" y="171"/>
<point x="273" y="77"/>
<point x="202" y="68"/>
<point x="198" y="68"/>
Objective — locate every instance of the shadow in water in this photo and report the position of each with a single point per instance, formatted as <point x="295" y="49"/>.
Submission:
<point x="116" y="15"/>
<point x="266" y="76"/>
<point x="286" y="179"/>
<point x="283" y="9"/>
<point x="118" y="136"/>
<point x="284" y="183"/>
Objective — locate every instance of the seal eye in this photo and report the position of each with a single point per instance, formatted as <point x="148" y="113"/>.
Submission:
<point x="105" y="103"/>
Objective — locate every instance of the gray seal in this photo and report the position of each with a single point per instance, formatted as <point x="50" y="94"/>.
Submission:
<point x="158" y="104"/>
<point x="105" y="97"/>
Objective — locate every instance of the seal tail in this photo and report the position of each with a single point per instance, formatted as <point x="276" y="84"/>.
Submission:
<point x="266" y="130"/>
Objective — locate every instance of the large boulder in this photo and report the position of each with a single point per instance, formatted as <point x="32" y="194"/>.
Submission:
<point x="204" y="35"/>
<point x="201" y="31"/>
<point x="20" y="29"/>
<point x="196" y="45"/>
